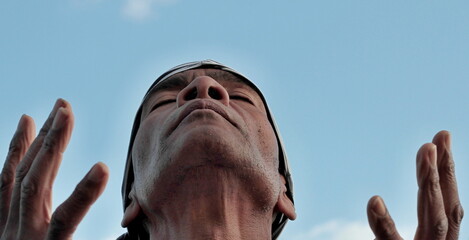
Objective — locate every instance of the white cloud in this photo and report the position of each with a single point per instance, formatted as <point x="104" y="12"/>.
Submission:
<point x="142" y="9"/>
<point x="340" y="230"/>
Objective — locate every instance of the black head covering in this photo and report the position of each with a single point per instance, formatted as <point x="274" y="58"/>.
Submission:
<point x="135" y="230"/>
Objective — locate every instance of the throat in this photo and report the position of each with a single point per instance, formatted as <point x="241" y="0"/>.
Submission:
<point x="211" y="206"/>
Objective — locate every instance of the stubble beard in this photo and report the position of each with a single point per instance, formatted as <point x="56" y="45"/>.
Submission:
<point x="215" y="157"/>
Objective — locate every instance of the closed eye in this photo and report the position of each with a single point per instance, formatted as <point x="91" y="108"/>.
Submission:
<point x="242" y="98"/>
<point x="161" y="103"/>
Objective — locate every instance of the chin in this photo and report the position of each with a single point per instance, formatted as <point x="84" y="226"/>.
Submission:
<point x="201" y="153"/>
<point x="209" y="144"/>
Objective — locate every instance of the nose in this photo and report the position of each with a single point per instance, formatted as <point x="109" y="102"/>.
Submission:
<point x="203" y="87"/>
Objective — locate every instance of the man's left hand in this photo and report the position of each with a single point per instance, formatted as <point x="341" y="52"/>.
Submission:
<point x="439" y="210"/>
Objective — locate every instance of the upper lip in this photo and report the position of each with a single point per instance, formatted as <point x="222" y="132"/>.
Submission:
<point x="203" y="104"/>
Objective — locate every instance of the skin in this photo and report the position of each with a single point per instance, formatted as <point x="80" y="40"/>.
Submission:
<point x="191" y="181"/>
<point x="439" y="210"/>
<point x="27" y="176"/>
<point x="208" y="155"/>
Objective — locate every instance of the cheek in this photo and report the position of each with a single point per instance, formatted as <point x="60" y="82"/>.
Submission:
<point x="266" y="140"/>
<point x="145" y="147"/>
<point x="269" y="142"/>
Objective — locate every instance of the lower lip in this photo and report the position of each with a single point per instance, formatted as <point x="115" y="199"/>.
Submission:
<point x="201" y="110"/>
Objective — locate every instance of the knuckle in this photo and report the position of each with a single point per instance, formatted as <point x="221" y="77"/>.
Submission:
<point x="390" y="232"/>
<point x="21" y="172"/>
<point x="29" y="189"/>
<point x="448" y="168"/>
<point x="59" y="220"/>
<point x="6" y="181"/>
<point x="441" y="228"/>
<point x="51" y="142"/>
<point x="81" y="195"/>
<point x="14" y="148"/>
<point x="434" y="184"/>
<point x="44" y="130"/>
<point x="457" y="215"/>
<point x="387" y="228"/>
<point x="18" y="144"/>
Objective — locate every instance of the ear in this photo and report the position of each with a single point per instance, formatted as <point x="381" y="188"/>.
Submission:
<point x="132" y="211"/>
<point x="284" y="203"/>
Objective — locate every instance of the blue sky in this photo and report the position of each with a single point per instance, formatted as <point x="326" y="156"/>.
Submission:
<point x="356" y="88"/>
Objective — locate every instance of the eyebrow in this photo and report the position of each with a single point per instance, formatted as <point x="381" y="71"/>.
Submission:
<point x="226" y="76"/>
<point x="173" y="82"/>
<point x="179" y="81"/>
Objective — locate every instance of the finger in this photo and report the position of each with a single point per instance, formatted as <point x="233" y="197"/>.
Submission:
<point x="23" y="168"/>
<point x="433" y="223"/>
<point x="36" y="188"/>
<point x="25" y="164"/>
<point x="452" y="204"/>
<point x="20" y="142"/>
<point x="380" y="221"/>
<point x="70" y="213"/>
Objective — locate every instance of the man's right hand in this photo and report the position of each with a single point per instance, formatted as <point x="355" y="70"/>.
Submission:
<point x="27" y="177"/>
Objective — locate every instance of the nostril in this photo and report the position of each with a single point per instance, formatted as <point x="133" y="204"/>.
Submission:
<point x="214" y="93"/>
<point x="191" y="94"/>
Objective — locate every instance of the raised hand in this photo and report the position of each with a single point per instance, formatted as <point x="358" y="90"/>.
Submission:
<point x="28" y="175"/>
<point x="439" y="210"/>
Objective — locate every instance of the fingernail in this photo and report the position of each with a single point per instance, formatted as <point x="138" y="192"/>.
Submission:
<point x="60" y="117"/>
<point x="448" y="141"/>
<point x="379" y="207"/>
<point x="432" y="155"/>
<point x="21" y="122"/>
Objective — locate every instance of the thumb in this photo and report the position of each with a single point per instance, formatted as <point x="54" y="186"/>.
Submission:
<point x="380" y="221"/>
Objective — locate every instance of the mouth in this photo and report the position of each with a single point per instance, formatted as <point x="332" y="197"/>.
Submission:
<point x="203" y="104"/>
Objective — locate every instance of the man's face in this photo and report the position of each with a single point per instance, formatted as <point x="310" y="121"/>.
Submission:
<point x="200" y="122"/>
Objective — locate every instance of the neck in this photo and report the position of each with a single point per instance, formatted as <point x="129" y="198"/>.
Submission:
<point x="211" y="206"/>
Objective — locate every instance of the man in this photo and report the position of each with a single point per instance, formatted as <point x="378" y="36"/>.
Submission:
<point x="208" y="133"/>
<point x="205" y="162"/>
